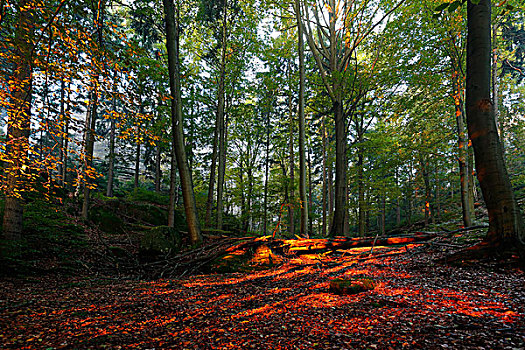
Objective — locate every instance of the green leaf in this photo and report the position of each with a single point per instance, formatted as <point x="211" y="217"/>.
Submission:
<point x="510" y="7"/>
<point x="442" y="7"/>
<point x="475" y="2"/>
<point x="453" y="6"/>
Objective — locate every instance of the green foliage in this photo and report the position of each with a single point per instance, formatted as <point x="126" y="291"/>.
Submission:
<point x="142" y="195"/>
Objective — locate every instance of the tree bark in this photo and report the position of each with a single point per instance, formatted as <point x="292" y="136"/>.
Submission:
<point x="91" y="115"/>
<point x="462" y="152"/>
<point x="505" y="219"/>
<point x="137" y="159"/>
<point x="266" y="174"/>
<point x="338" y="222"/>
<point x="221" y="119"/>
<point x="19" y="122"/>
<point x="111" y="157"/>
<point x="325" y="176"/>
<point x="172" y="45"/>
<point x="302" y="150"/>
<point x="291" y="131"/>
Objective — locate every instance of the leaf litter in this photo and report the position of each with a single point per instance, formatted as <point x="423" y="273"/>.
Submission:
<point x="417" y="304"/>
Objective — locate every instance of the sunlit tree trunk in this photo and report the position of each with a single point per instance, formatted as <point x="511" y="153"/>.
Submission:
<point x="291" y="131"/>
<point x="19" y="121"/>
<point x="505" y="219"/>
<point x="172" y="45"/>
<point x="325" y="176"/>
<point x="266" y="174"/>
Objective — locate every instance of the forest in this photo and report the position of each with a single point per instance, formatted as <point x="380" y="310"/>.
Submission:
<point x="235" y="174"/>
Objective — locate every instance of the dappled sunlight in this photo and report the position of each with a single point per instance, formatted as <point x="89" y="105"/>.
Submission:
<point x="289" y="306"/>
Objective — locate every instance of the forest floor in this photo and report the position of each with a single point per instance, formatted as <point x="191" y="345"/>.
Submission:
<point x="417" y="304"/>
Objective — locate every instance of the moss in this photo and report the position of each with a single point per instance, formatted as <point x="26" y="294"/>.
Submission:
<point x="106" y="220"/>
<point x="351" y="286"/>
<point x="160" y="240"/>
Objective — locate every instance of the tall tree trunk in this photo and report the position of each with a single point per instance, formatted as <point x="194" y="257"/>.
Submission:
<point x="137" y="158"/>
<point x="302" y="136"/>
<point x="172" y="204"/>
<point x="428" y="191"/>
<point x="172" y="46"/>
<point x="158" y="170"/>
<point x="310" y="189"/>
<point x="221" y="119"/>
<point x="383" y="214"/>
<point x="19" y="121"/>
<point x="505" y="219"/>
<point x="211" y="182"/>
<point x="495" y="85"/>
<point x="291" y="131"/>
<point x="266" y="174"/>
<point x="65" y="141"/>
<point x="221" y="172"/>
<point x="462" y="156"/>
<point x="89" y="142"/>
<point x="472" y="189"/>
<point x="91" y="115"/>
<point x="111" y="158"/>
<point x="325" y="176"/>
<point x="361" y="193"/>
<point x="338" y="222"/>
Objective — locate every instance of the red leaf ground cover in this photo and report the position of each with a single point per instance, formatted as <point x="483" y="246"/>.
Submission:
<point x="417" y="305"/>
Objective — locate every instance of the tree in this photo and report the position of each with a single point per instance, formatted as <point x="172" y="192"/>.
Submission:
<point x="19" y="119"/>
<point x="172" y="45"/>
<point x="300" y="113"/>
<point x="506" y="229"/>
<point x="340" y="28"/>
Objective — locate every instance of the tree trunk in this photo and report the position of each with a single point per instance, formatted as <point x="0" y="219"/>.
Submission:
<point x="91" y="116"/>
<point x="158" y="170"/>
<point x="361" y="192"/>
<point x="291" y="131"/>
<point x="325" y="176"/>
<point x="137" y="159"/>
<point x="462" y="156"/>
<point x="111" y="160"/>
<point x="505" y="219"/>
<point x="211" y="182"/>
<point x="19" y="121"/>
<point x="221" y="120"/>
<point x="310" y="197"/>
<point x="338" y="222"/>
<point x="89" y="142"/>
<point x="173" y="187"/>
<point x="428" y="190"/>
<point x="266" y="174"/>
<point x="172" y="46"/>
<point x="302" y="136"/>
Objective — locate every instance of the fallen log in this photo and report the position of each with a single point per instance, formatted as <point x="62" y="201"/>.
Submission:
<point x="312" y="246"/>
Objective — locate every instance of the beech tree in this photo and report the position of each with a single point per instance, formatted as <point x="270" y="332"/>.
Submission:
<point x="506" y="229"/>
<point x="178" y="148"/>
<point x="19" y="118"/>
